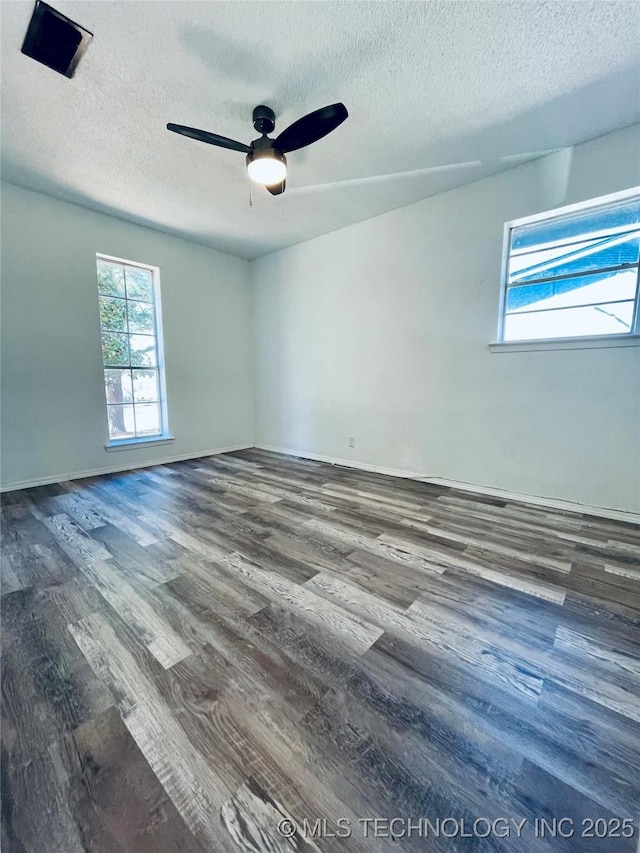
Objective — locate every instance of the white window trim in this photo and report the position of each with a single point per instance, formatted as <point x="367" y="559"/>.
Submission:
<point x="585" y="342"/>
<point x="165" y="436"/>
<point x="144" y="441"/>
<point x="631" y="339"/>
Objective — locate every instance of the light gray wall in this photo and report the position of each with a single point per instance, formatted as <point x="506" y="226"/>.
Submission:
<point x="53" y="404"/>
<point x="380" y="331"/>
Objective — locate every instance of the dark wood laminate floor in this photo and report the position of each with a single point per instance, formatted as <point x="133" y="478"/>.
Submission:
<point x="197" y="652"/>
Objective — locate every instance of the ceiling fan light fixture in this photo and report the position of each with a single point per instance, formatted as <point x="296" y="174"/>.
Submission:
<point x="267" y="166"/>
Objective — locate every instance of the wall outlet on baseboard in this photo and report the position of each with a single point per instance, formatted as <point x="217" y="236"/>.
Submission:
<point x="352" y="441"/>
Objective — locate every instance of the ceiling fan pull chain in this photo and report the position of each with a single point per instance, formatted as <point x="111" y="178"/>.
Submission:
<point x="250" y="199"/>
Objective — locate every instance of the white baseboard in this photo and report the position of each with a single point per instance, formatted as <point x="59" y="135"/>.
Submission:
<point x="536" y="500"/>
<point x="346" y="463"/>
<point x="549" y="503"/>
<point x="114" y="469"/>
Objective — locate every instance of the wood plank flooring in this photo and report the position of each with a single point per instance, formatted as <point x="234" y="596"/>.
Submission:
<point x="251" y="652"/>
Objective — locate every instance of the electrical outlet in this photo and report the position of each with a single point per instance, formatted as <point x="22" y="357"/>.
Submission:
<point x="352" y="441"/>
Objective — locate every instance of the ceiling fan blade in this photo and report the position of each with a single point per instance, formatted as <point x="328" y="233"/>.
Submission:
<point x="211" y="138"/>
<point x="377" y="179"/>
<point x="276" y="189"/>
<point x="311" y="128"/>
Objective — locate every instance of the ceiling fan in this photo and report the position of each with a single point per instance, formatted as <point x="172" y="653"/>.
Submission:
<point x="266" y="161"/>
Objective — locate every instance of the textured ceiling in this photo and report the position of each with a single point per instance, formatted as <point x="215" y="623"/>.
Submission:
<point x="426" y="84"/>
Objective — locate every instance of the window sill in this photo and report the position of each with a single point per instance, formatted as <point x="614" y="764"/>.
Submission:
<point x="594" y="342"/>
<point x="131" y="443"/>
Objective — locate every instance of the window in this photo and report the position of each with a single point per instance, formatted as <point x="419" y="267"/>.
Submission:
<point x="130" y="325"/>
<point x="573" y="272"/>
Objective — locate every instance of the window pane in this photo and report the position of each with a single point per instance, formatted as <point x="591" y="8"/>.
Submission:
<point x="132" y="376"/>
<point x="597" y="221"/>
<point x="113" y="314"/>
<point x="145" y="386"/>
<point x="140" y="317"/>
<point x="121" y="422"/>
<point x="110" y="278"/>
<point x="599" y="253"/>
<point x="148" y="418"/>
<point x="115" y="349"/>
<point x="143" y="350"/>
<point x="139" y="284"/>
<point x="582" y="290"/>
<point x="117" y="384"/>
<point x="605" y="319"/>
<point x="572" y="274"/>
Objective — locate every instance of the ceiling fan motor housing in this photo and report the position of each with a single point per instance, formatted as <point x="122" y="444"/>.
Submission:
<point x="264" y="119"/>
<point x="261" y="144"/>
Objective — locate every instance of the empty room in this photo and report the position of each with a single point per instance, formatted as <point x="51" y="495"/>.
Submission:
<point x="320" y="426"/>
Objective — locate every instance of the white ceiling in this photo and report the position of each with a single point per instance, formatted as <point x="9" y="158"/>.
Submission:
<point x="426" y="84"/>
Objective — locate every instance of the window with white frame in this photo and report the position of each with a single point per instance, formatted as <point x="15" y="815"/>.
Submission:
<point x="131" y="329"/>
<point x="573" y="272"/>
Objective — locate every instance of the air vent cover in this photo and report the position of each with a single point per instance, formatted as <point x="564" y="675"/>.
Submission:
<point x="55" y="40"/>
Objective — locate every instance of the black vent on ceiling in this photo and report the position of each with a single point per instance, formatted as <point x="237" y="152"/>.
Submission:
<point x="55" y="40"/>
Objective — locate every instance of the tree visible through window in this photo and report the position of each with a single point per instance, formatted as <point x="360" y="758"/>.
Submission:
<point x="573" y="273"/>
<point x="128" y="297"/>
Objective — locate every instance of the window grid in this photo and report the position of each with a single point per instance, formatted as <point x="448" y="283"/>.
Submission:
<point x="521" y="286"/>
<point x="126" y="412"/>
